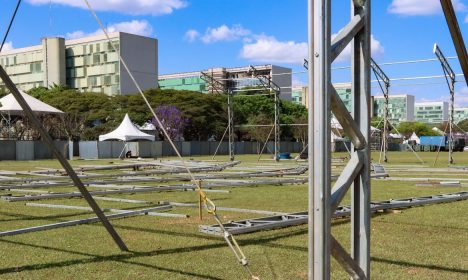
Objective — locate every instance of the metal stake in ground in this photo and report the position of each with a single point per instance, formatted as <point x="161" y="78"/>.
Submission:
<point x="65" y="164"/>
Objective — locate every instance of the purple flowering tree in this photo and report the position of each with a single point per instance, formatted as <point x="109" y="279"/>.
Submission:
<point x="172" y="119"/>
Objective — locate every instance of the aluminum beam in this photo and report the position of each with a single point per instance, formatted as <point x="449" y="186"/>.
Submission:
<point x="79" y="222"/>
<point x="456" y="34"/>
<point x="299" y="218"/>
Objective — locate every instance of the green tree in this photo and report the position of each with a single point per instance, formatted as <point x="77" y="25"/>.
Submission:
<point x="421" y="129"/>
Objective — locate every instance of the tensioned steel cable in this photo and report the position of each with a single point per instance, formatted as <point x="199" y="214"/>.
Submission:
<point x="209" y="205"/>
<point x="10" y="24"/>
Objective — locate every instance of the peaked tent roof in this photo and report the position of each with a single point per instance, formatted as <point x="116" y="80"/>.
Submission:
<point x="126" y="131"/>
<point x="8" y="104"/>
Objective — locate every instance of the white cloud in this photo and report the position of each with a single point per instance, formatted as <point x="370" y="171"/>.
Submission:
<point x="466" y="19"/>
<point x="421" y="7"/>
<point x="269" y="49"/>
<point x="8" y="46"/>
<point x="138" y="27"/>
<point x="224" y="33"/>
<point x="134" y="7"/>
<point x="461" y="97"/>
<point x="377" y="50"/>
<point x="191" y="35"/>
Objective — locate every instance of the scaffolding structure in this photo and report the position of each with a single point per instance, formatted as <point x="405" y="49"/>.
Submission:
<point x="274" y="89"/>
<point x="323" y="201"/>
<point x="383" y="78"/>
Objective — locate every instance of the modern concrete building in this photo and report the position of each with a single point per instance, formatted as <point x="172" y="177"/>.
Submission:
<point x="299" y="95"/>
<point x="87" y="64"/>
<point x="400" y="107"/>
<point x="225" y="79"/>
<point x="460" y="114"/>
<point x="431" y="112"/>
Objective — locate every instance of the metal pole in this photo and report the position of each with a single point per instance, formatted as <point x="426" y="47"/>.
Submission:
<point x="360" y="196"/>
<point x="65" y="164"/>
<point x="385" y="134"/>
<point x="277" y="127"/>
<point x="310" y="141"/>
<point x="319" y="140"/>
<point x="231" y="126"/>
<point x="451" y="120"/>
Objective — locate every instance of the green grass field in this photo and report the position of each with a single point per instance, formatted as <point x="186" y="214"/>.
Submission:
<point x="428" y="242"/>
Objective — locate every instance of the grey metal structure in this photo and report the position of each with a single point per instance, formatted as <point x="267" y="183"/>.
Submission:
<point x="299" y="218"/>
<point x="322" y="97"/>
<point x="450" y="78"/>
<point x="456" y="34"/>
<point x="219" y="88"/>
<point x="65" y="164"/>
<point x="383" y="78"/>
<point x="268" y="84"/>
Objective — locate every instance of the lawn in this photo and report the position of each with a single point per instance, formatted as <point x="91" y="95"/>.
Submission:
<point x="428" y="242"/>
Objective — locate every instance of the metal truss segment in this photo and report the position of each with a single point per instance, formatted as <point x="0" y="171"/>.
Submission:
<point x="346" y="120"/>
<point x="346" y="35"/>
<point x="346" y="178"/>
<point x="345" y="260"/>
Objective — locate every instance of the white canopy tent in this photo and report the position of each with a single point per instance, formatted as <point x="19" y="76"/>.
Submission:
<point x="126" y="131"/>
<point x="9" y="105"/>
<point x="415" y="138"/>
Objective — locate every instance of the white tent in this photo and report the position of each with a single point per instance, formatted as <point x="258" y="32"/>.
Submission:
<point x="9" y="105"/>
<point x="415" y="138"/>
<point x="126" y="131"/>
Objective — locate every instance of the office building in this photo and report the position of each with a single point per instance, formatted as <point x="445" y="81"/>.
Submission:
<point x="400" y="107"/>
<point x="87" y="64"/>
<point x="460" y="114"/>
<point x="229" y="79"/>
<point x="431" y="112"/>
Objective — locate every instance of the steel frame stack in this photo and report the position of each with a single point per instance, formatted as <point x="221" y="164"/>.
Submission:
<point x="322" y="97"/>
<point x="450" y="78"/>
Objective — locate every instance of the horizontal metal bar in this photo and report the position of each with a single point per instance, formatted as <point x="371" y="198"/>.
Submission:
<point x="140" y="189"/>
<point x="346" y="35"/>
<point x="280" y="221"/>
<point x="78" y="222"/>
<point x="193" y="205"/>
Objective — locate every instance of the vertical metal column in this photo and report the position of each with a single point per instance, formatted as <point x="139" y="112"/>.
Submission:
<point x="324" y="100"/>
<point x="320" y="142"/>
<point x="277" y="125"/>
<point x="450" y="79"/>
<point x="383" y="78"/>
<point x="231" y="125"/>
<point x="361" y="91"/>
<point x="451" y="119"/>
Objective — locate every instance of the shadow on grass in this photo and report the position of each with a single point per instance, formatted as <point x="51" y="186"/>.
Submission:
<point x="127" y="257"/>
<point x="23" y="217"/>
<point x="426" y="266"/>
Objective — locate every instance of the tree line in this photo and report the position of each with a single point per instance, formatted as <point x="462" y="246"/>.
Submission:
<point x="88" y="115"/>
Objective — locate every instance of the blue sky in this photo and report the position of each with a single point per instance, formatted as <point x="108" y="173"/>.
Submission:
<point x="198" y="34"/>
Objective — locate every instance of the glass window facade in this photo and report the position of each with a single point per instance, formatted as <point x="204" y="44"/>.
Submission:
<point x="25" y="69"/>
<point x="93" y="67"/>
